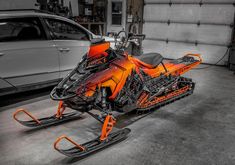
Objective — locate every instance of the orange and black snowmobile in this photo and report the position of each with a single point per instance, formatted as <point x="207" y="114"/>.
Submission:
<point x="112" y="80"/>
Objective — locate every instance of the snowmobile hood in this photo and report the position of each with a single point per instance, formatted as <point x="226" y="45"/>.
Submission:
<point x="97" y="54"/>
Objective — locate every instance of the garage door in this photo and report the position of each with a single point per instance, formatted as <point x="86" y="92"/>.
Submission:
<point x="176" y="27"/>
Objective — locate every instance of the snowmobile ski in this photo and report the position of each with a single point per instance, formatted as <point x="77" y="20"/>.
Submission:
<point x="105" y="140"/>
<point x="87" y="148"/>
<point x="59" y="117"/>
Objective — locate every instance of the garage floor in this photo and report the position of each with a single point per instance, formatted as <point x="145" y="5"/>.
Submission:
<point x="199" y="129"/>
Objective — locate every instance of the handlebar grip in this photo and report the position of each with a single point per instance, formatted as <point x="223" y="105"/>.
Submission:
<point x="137" y="36"/>
<point x="141" y="35"/>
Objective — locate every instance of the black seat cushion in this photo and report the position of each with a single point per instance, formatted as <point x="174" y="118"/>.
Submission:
<point x="153" y="59"/>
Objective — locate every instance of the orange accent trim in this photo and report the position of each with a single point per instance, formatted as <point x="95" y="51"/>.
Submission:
<point x="107" y="127"/>
<point x="27" y="113"/>
<point x="68" y="139"/>
<point x="60" y="109"/>
<point x="143" y="97"/>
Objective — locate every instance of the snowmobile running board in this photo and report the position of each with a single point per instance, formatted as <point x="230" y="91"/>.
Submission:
<point x="59" y="117"/>
<point x="92" y="146"/>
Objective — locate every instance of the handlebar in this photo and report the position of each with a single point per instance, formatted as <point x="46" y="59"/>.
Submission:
<point x="130" y="35"/>
<point x="127" y="38"/>
<point x="136" y="36"/>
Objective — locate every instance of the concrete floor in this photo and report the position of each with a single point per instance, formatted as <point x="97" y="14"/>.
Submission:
<point x="196" y="130"/>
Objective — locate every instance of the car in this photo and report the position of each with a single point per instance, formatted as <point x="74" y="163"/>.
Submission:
<point x="38" y="49"/>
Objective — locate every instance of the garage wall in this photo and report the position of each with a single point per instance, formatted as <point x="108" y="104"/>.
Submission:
<point x="176" y="27"/>
<point x="17" y="4"/>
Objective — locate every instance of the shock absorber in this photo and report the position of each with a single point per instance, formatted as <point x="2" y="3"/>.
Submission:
<point x="104" y="103"/>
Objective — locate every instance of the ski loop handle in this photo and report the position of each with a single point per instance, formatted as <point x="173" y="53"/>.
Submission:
<point x="68" y="139"/>
<point x="27" y="113"/>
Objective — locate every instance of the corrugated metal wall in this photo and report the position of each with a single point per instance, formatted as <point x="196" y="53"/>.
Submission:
<point x="176" y="27"/>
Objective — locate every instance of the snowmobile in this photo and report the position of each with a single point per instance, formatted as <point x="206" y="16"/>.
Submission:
<point x="111" y="80"/>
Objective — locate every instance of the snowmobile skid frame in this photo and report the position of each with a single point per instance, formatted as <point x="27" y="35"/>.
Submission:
<point x="185" y="90"/>
<point x="57" y="118"/>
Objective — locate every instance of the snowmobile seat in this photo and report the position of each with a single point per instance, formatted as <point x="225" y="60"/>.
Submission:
<point x="153" y="59"/>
